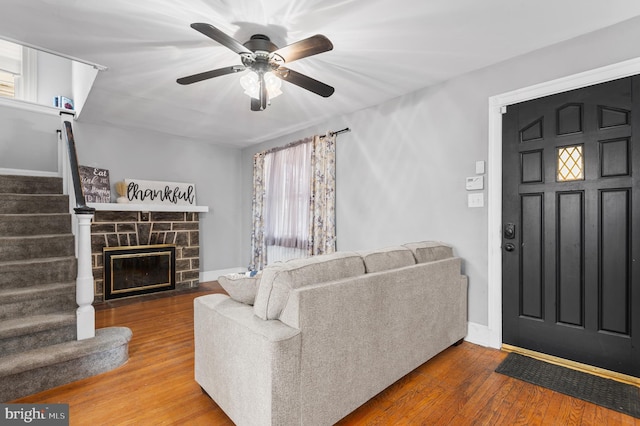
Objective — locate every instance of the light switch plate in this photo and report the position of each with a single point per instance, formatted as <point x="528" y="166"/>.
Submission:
<point x="479" y="167"/>
<point x="475" y="200"/>
<point x="474" y="183"/>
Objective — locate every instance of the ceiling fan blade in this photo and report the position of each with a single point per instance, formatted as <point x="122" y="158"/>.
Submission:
<point x="210" y="74"/>
<point x="303" y="48"/>
<point x="217" y="35"/>
<point x="305" y="82"/>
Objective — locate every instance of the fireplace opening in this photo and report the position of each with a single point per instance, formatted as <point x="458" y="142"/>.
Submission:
<point x="131" y="271"/>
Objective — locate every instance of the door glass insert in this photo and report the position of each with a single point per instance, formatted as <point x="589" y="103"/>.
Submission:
<point x="570" y="163"/>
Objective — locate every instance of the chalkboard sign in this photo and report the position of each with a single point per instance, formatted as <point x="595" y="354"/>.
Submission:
<point x="95" y="184"/>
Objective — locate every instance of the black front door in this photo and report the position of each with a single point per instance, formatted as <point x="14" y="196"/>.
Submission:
<point x="571" y="233"/>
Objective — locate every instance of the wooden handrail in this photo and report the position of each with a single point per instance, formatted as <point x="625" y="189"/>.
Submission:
<point x="81" y="204"/>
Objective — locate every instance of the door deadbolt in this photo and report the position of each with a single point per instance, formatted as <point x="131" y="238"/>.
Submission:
<point x="509" y="231"/>
<point x="509" y="247"/>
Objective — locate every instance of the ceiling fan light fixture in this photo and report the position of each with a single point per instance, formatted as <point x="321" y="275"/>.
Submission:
<point x="251" y="85"/>
<point x="261" y="57"/>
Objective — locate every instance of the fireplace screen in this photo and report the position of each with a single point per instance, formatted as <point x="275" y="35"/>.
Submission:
<point x="130" y="271"/>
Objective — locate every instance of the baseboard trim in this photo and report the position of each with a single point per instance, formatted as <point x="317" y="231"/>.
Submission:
<point x="597" y="371"/>
<point x="480" y="335"/>
<point x="25" y="172"/>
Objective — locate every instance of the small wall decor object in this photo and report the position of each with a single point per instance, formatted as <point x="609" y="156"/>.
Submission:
<point x="63" y="102"/>
<point x="121" y="190"/>
<point x="155" y="192"/>
<point x="95" y="184"/>
<point x="66" y="103"/>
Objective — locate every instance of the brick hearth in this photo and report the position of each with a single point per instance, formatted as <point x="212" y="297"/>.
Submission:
<point x="134" y="228"/>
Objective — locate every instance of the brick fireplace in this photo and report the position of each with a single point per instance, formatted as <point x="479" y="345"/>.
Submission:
<point x="137" y="228"/>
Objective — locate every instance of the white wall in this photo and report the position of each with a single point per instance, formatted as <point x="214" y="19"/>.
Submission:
<point x="54" y="78"/>
<point x="401" y="170"/>
<point x="29" y="142"/>
<point x="28" y="139"/>
<point x="214" y="170"/>
<point x="82" y="77"/>
<point x="401" y="178"/>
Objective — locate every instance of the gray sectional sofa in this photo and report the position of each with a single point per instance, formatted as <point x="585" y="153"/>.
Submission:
<point x="327" y="333"/>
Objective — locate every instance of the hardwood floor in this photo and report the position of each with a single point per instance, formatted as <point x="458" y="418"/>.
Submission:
<point x="156" y="386"/>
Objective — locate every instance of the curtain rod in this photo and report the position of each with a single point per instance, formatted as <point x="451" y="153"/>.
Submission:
<point x="337" y="132"/>
<point x="305" y="140"/>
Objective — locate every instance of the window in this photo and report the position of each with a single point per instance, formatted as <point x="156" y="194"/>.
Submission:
<point x="10" y="67"/>
<point x="287" y="193"/>
<point x="293" y="206"/>
<point x="18" y="71"/>
<point x="7" y="84"/>
<point x="570" y="163"/>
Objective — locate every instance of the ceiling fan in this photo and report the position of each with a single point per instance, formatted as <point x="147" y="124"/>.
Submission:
<point x="266" y="60"/>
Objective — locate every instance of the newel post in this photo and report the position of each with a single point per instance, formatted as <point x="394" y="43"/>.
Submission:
<point x="85" y="314"/>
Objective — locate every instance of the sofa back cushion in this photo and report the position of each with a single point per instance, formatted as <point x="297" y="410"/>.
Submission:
<point x="428" y="251"/>
<point x="280" y="278"/>
<point x="387" y="258"/>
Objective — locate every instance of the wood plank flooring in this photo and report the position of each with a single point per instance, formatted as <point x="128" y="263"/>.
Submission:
<point x="156" y="386"/>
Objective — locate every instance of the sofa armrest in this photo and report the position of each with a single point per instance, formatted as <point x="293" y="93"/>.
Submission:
<point x="249" y="367"/>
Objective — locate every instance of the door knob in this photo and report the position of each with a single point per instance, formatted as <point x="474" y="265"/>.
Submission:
<point x="509" y="247"/>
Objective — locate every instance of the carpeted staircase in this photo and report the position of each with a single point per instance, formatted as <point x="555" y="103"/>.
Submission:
<point x="38" y="346"/>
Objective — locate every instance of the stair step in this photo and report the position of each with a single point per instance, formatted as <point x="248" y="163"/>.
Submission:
<point x="13" y="225"/>
<point x="35" y="324"/>
<point x="26" y="273"/>
<point x="33" y="203"/>
<point x="39" y="299"/>
<point x="39" y="291"/>
<point x="32" y="371"/>
<point x="18" y="335"/>
<point x="36" y="247"/>
<point x="30" y="184"/>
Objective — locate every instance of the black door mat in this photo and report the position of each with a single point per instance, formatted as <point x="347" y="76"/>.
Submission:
<point x="607" y="393"/>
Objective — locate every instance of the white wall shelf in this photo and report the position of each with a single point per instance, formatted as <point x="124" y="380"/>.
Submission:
<point x="131" y="207"/>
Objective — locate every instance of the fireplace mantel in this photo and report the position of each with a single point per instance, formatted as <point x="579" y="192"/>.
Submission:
<point x="131" y="207"/>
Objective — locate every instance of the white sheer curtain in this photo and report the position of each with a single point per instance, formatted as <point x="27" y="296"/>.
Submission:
<point x="294" y="201"/>
<point x="286" y="201"/>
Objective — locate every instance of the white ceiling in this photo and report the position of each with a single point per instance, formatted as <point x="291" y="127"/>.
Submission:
<point x="382" y="49"/>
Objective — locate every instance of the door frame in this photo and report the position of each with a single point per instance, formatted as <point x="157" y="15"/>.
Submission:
<point x="497" y="105"/>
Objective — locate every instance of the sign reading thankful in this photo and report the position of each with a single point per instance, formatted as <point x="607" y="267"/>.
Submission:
<point x="154" y="192"/>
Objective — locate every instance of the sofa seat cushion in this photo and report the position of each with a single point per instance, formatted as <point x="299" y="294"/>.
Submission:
<point x="428" y="251"/>
<point x="280" y="278"/>
<point x="241" y="287"/>
<point x="387" y="258"/>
